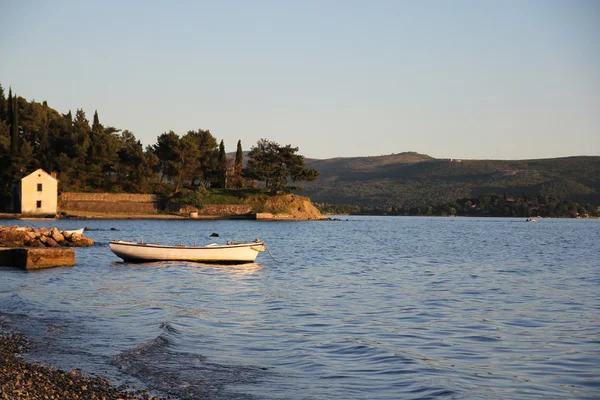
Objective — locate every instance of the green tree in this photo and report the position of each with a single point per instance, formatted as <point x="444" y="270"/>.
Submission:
<point x="239" y="154"/>
<point x="222" y="166"/>
<point x="274" y="165"/>
<point x="80" y="137"/>
<point x="186" y="162"/>
<point x="164" y="149"/>
<point x="9" y="108"/>
<point x="102" y="157"/>
<point x="237" y="181"/>
<point x="34" y="125"/>
<point x="96" y="126"/>
<point x="179" y="157"/>
<point x="5" y="162"/>
<point x="133" y="170"/>
<point x="3" y="105"/>
<point x="13" y="122"/>
<point x="208" y="150"/>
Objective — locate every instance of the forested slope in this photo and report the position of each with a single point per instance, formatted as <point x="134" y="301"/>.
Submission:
<point x="408" y="180"/>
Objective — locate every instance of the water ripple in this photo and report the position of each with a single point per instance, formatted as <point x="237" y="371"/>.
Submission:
<point x="424" y="308"/>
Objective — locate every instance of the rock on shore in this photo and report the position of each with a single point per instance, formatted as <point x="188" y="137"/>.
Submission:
<point x="19" y="236"/>
<point x="23" y="380"/>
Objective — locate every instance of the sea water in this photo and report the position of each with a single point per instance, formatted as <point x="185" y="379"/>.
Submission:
<point x="362" y="308"/>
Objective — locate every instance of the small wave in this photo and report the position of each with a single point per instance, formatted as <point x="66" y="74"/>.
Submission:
<point x="167" y="327"/>
<point x="482" y="339"/>
<point x="181" y="374"/>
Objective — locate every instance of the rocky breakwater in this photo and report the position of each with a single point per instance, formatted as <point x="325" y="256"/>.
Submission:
<point x="18" y="236"/>
<point x="36" y="248"/>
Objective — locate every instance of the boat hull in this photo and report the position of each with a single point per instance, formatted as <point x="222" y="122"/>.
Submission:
<point x="216" y="254"/>
<point x="75" y="231"/>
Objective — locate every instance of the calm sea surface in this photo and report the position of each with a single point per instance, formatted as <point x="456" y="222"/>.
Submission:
<point x="363" y="308"/>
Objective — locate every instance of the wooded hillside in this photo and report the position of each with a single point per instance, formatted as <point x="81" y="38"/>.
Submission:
<point x="407" y="180"/>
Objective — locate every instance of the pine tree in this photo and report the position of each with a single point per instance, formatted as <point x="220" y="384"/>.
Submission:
<point x="274" y="164"/>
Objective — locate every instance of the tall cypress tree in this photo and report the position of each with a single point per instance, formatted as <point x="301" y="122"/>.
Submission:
<point x="238" y="181"/>
<point x="9" y="109"/>
<point x="69" y="117"/>
<point x="239" y="155"/>
<point x="14" y="128"/>
<point x="222" y="164"/>
<point x="96" y="127"/>
<point x="3" y="110"/>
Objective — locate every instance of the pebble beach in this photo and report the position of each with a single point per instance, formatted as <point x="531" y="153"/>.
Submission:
<point x="24" y="380"/>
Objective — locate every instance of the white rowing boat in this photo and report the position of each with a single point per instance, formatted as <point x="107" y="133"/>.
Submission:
<point x="230" y="253"/>
<point x="75" y="231"/>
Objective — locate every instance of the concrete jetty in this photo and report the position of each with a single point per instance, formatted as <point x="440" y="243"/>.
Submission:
<point x="37" y="258"/>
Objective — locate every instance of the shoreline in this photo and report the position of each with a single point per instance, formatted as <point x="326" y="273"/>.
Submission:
<point x="21" y="379"/>
<point x="88" y="215"/>
<point x="94" y="215"/>
<point x="83" y="215"/>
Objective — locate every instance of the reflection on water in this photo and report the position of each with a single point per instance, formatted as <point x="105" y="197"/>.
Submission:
<point x="234" y="269"/>
<point x="369" y="308"/>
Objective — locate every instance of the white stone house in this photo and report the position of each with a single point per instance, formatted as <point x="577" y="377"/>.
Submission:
<point x="37" y="193"/>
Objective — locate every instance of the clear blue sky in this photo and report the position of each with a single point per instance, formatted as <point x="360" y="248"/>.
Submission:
<point x="464" y="79"/>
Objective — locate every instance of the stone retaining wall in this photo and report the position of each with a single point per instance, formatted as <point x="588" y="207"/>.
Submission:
<point x="213" y="209"/>
<point x="225" y="209"/>
<point x="108" y="197"/>
<point x="107" y="207"/>
<point x="108" y="202"/>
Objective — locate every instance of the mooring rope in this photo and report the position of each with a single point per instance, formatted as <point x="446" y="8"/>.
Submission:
<point x="268" y="251"/>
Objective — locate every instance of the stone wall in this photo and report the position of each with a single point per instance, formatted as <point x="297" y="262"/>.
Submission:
<point x="108" y="202"/>
<point x="107" y="207"/>
<point x="225" y="209"/>
<point x="281" y="207"/>
<point x="211" y="209"/>
<point x="109" y="197"/>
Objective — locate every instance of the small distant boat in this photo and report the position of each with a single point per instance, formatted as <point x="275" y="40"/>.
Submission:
<point x="530" y="220"/>
<point x="75" y="231"/>
<point x="230" y="253"/>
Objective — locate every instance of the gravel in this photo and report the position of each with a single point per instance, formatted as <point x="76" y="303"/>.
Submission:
<point x="23" y="380"/>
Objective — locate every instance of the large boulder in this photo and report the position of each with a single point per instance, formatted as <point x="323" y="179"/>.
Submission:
<point x="51" y="242"/>
<point x="35" y="243"/>
<point x="13" y="236"/>
<point x="81" y="241"/>
<point x="56" y="235"/>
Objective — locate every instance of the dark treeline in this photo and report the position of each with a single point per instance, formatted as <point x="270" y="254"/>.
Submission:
<point x="490" y="205"/>
<point x="91" y="157"/>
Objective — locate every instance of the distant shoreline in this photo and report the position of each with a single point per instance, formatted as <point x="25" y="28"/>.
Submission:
<point x="88" y="215"/>
<point x="115" y="216"/>
<point x="94" y="215"/>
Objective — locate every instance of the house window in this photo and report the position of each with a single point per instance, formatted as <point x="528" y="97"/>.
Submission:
<point x="39" y="187"/>
<point x="38" y="204"/>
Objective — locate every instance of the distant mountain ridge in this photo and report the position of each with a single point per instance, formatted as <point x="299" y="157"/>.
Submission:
<point x="411" y="179"/>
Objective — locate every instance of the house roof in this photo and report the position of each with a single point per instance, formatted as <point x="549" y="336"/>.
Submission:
<point x="37" y="172"/>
